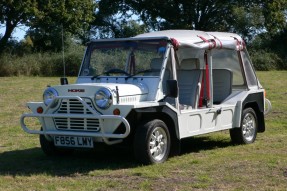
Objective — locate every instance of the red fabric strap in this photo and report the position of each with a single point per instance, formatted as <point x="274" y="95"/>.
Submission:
<point x="174" y="43"/>
<point x="211" y="43"/>
<point x="207" y="76"/>
<point x="204" y="84"/>
<point x="204" y="39"/>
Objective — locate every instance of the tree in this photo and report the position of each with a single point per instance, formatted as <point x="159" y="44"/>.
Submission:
<point x="260" y="16"/>
<point x="174" y="14"/>
<point x="184" y="14"/>
<point x="241" y="16"/>
<point x="269" y="47"/>
<point x="45" y="16"/>
<point x="114" y="28"/>
<point x="275" y="14"/>
<point x="115" y="20"/>
<point x="13" y="13"/>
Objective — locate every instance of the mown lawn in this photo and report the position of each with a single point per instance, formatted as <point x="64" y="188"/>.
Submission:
<point x="208" y="162"/>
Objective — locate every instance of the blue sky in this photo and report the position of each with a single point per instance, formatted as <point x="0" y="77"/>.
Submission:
<point x="18" y="33"/>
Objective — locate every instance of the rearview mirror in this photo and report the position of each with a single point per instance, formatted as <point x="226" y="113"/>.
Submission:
<point x="64" y="81"/>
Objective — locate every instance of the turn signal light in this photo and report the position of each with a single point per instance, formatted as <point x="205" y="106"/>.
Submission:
<point x="116" y="111"/>
<point x="40" y="110"/>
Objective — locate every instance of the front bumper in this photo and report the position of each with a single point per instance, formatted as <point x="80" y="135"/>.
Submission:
<point x="93" y="114"/>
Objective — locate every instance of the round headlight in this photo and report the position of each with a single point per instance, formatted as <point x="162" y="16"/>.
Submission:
<point x="103" y="98"/>
<point x="49" y="95"/>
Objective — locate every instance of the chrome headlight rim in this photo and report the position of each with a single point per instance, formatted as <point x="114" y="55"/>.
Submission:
<point x="49" y="94"/>
<point x="103" y="98"/>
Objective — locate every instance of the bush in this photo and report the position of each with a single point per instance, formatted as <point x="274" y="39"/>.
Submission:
<point x="15" y="66"/>
<point x="264" y="60"/>
<point x="42" y="64"/>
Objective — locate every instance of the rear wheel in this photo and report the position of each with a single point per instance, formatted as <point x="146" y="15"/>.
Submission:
<point x="247" y="132"/>
<point x="152" y="142"/>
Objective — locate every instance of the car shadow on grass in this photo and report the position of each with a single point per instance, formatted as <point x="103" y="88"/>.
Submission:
<point x="34" y="161"/>
<point x="196" y="144"/>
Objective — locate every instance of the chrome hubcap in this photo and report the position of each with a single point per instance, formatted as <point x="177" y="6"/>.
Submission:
<point x="158" y="143"/>
<point x="248" y="127"/>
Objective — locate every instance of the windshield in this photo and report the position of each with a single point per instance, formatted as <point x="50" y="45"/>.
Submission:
<point x="124" y="58"/>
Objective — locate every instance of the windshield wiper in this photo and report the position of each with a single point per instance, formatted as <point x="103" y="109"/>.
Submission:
<point x="139" y="72"/>
<point x="96" y="76"/>
<point x="112" y="71"/>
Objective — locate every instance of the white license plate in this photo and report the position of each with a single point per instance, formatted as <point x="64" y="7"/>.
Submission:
<point x="71" y="141"/>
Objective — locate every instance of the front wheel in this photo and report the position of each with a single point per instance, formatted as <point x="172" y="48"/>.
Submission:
<point x="247" y="132"/>
<point x="152" y="142"/>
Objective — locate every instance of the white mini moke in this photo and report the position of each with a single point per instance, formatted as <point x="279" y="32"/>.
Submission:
<point x="151" y="91"/>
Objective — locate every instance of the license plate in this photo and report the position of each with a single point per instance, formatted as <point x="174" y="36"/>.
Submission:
<point x="71" y="141"/>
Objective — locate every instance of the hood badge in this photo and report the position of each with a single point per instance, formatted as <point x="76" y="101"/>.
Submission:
<point x="76" y="90"/>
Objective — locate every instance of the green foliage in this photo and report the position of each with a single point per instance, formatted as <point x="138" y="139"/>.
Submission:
<point x="109" y="26"/>
<point x="241" y="16"/>
<point x="268" y="51"/>
<point x="46" y="18"/>
<point x="131" y="28"/>
<point x="262" y="23"/>
<point x="42" y="64"/>
<point x="248" y="20"/>
<point x="49" y="42"/>
<point x="161" y="14"/>
<point x="275" y="13"/>
<point x="265" y="60"/>
<point x="74" y="16"/>
<point x="13" y="13"/>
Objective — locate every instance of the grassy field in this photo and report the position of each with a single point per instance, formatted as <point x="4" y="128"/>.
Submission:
<point x="208" y="162"/>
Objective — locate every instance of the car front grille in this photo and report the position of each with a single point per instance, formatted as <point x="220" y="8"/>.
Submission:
<point x="74" y="106"/>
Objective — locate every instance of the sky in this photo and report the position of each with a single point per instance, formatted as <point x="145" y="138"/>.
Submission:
<point x="18" y="33"/>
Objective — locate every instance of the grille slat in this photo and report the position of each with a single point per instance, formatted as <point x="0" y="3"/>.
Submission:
<point x="72" y="106"/>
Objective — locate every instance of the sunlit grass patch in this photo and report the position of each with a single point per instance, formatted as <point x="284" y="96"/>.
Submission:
<point x="209" y="162"/>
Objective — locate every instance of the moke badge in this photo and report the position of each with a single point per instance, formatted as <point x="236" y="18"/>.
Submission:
<point x="76" y="90"/>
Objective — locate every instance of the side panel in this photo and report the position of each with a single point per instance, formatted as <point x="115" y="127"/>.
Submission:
<point x="201" y="121"/>
<point x="159" y="112"/>
<point x="227" y="118"/>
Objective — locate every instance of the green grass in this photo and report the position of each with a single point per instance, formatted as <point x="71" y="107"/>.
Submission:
<point x="208" y="162"/>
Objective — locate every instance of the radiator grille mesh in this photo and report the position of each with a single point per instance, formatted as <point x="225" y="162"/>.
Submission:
<point x="74" y="106"/>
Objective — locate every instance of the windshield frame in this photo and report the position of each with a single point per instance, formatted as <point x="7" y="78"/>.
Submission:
<point x="86" y="63"/>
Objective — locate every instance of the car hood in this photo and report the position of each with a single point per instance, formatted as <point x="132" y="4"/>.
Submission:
<point x="89" y="89"/>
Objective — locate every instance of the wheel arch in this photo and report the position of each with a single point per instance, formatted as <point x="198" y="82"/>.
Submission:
<point x="256" y="102"/>
<point x="169" y="117"/>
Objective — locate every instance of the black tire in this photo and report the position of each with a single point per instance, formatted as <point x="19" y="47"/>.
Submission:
<point x="50" y="149"/>
<point x="152" y="142"/>
<point x="247" y="132"/>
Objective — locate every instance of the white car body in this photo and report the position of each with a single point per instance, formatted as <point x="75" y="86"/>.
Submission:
<point x="225" y="85"/>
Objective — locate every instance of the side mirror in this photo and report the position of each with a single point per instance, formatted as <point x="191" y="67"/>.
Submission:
<point x="172" y="88"/>
<point x="64" y="81"/>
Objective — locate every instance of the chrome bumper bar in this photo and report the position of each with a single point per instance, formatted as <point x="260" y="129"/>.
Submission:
<point x="94" y="115"/>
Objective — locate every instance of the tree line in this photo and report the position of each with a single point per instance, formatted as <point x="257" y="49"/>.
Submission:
<point x="262" y="23"/>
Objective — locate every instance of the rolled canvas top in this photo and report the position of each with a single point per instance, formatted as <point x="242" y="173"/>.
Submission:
<point x="200" y="39"/>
